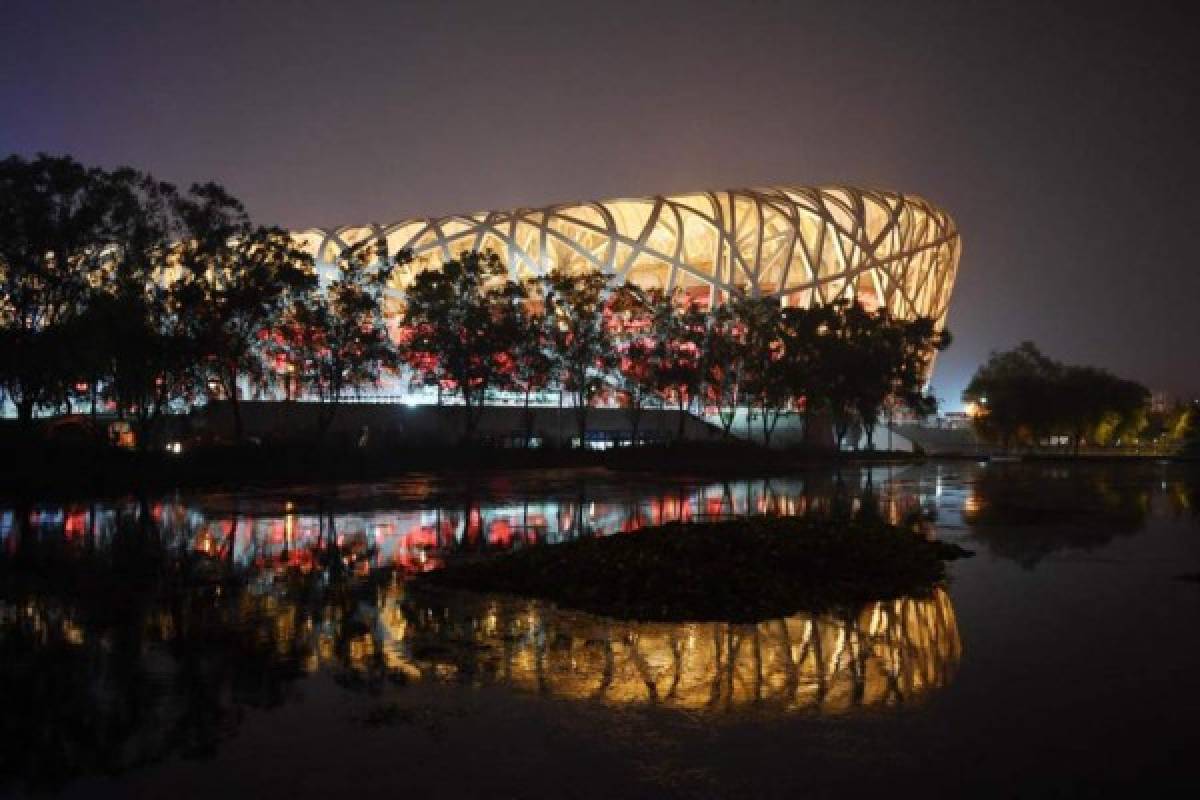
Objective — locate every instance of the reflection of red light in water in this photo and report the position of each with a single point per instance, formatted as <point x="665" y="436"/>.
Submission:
<point x="713" y="506"/>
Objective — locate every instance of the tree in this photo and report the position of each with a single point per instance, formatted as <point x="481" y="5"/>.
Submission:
<point x="1024" y="397"/>
<point x="1187" y="429"/>
<point x="852" y="358"/>
<point x="51" y="252"/>
<point x="459" y="328"/>
<point x="1169" y="425"/>
<point x="531" y="365"/>
<point x="238" y="282"/>
<point x="335" y="341"/>
<point x="802" y="373"/>
<point x="678" y="339"/>
<point x="764" y="376"/>
<point x="135" y="341"/>
<point x="920" y="340"/>
<point x="638" y="365"/>
<point x="897" y="356"/>
<point x="582" y="342"/>
<point x="856" y="364"/>
<point x="1013" y="392"/>
<point x="1101" y="408"/>
<point x="723" y="364"/>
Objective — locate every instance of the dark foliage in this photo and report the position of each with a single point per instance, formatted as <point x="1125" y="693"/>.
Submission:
<point x="1023" y="397"/>
<point x="737" y="570"/>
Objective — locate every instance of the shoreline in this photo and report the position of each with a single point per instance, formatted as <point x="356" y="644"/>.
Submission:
<point x="48" y="470"/>
<point x="56" y="471"/>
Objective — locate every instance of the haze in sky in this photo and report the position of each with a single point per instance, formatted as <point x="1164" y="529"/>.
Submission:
<point x="1061" y="137"/>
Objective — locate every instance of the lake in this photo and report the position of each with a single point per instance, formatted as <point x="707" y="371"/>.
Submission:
<point x="266" y="643"/>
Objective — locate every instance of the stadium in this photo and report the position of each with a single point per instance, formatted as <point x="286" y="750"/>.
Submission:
<point x="802" y="245"/>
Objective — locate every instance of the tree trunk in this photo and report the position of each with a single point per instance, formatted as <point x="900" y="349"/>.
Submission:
<point x="235" y="405"/>
<point x="25" y="415"/>
<point x="768" y="427"/>
<point x="727" y="422"/>
<point x="635" y="420"/>
<point x="581" y="412"/>
<point x="682" y="417"/>
<point x="528" y="419"/>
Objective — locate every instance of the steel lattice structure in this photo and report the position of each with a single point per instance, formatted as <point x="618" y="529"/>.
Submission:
<point x="803" y="245"/>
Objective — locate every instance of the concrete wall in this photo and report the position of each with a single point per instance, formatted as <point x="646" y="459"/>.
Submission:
<point x="394" y="423"/>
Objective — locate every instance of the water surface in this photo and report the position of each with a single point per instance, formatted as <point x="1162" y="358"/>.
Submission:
<point x="267" y="643"/>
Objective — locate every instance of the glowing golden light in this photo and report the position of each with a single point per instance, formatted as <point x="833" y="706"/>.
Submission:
<point x="804" y="245"/>
<point x="886" y="654"/>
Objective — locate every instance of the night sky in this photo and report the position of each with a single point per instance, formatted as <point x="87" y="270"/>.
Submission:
<point x="1063" y="141"/>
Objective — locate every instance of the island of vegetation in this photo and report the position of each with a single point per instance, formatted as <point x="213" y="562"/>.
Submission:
<point x="743" y="570"/>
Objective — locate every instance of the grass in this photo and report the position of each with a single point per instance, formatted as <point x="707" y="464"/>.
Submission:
<point x="741" y="570"/>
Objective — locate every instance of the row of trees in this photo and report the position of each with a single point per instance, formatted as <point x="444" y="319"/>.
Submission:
<point x="120" y="291"/>
<point x="1022" y="397"/>
<point x="470" y="328"/>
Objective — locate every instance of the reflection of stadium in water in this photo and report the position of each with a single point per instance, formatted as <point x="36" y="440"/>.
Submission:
<point x="885" y="654"/>
<point x="416" y="537"/>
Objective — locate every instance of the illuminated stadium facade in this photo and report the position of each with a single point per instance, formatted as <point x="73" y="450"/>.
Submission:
<point x="803" y="245"/>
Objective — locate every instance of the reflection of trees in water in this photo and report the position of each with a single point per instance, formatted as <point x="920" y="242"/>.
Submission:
<point x="141" y="631"/>
<point x="1028" y="511"/>
<point x="119" y="651"/>
<point x="886" y="653"/>
<point x="413" y="538"/>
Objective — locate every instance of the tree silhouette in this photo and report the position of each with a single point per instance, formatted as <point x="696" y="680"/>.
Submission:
<point x="335" y="341"/>
<point x="765" y="371"/>
<point x="52" y="250"/>
<point x="458" y="330"/>
<point x="239" y="279"/>
<point x="135" y="341"/>
<point x="1024" y="397"/>
<point x="531" y="367"/>
<point x="724" y="364"/>
<point x="679" y="335"/>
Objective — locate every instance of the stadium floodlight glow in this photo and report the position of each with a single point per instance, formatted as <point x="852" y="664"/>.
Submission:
<point x="802" y="245"/>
